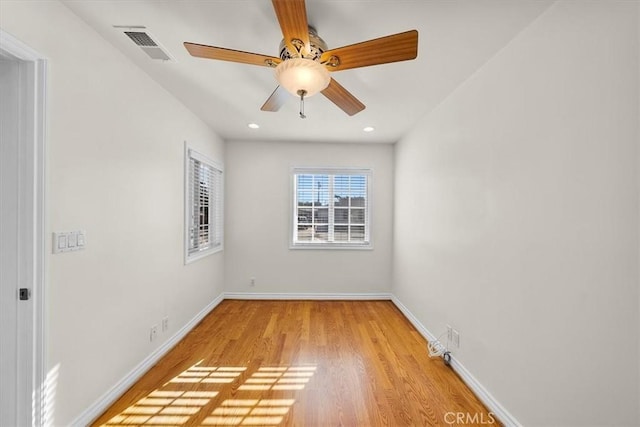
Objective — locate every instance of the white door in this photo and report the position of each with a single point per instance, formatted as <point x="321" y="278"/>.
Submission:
<point x="9" y="133"/>
<point x="21" y="233"/>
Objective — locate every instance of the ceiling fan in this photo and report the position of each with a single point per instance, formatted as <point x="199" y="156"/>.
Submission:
<point x="305" y="61"/>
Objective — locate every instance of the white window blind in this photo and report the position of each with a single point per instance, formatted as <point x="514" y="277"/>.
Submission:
<point x="331" y="208"/>
<point x="203" y="210"/>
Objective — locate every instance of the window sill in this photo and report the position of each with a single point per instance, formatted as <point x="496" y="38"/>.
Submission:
<point x="199" y="255"/>
<point x="331" y="246"/>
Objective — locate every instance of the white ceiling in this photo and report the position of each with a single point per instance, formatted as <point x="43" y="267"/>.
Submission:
<point x="455" y="39"/>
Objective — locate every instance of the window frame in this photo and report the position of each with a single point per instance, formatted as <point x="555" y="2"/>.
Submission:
<point x="293" y="223"/>
<point x="216" y="207"/>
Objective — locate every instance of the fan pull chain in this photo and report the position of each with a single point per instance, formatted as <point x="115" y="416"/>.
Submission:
<point x="302" y="93"/>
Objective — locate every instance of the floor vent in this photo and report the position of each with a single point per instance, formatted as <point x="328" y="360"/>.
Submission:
<point x="146" y="42"/>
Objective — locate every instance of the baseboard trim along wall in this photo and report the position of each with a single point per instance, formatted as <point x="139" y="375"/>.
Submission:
<point x="307" y="296"/>
<point x="107" y="399"/>
<point x="478" y="389"/>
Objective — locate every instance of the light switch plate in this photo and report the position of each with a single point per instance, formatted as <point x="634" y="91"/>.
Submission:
<point x="61" y="241"/>
<point x="81" y="239"/>
<point x="68" y="241"/>
<point x="72" y="240"/>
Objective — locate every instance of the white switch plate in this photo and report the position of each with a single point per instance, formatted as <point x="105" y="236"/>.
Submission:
<point x="68" y="241"/>
<point x="62" y="241"/>
<point x="72" y="239"/>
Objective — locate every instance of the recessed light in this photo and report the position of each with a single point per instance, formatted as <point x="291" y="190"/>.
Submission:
<point x="254" y="125"/>
<point x="369" y="129"/>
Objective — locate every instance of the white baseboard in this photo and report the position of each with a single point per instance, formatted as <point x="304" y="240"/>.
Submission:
<point x="107" y="399"/>
<point x="478" y="389"/>
<point x="307" y="296"/>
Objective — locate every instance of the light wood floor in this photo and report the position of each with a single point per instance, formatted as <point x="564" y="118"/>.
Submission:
<point x="302" y="363"/>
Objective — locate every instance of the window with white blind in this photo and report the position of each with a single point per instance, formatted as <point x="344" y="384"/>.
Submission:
<point x="331" y="208"/>
<point x="203" y="206"/>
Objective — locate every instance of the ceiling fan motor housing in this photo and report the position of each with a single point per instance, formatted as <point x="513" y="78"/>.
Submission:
<point x="317" y="46"/>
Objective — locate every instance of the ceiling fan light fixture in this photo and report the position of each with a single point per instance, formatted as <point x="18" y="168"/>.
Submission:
<point x="302" y="74"/>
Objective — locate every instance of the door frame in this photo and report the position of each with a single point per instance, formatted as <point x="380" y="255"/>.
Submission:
<point x="34" y="407"/>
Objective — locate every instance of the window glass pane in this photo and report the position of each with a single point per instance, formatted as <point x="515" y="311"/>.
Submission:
<point x="321" y="190"/>
<point x="358" y="186"/>
<point x="321" y="232"/>
<point x="341" y="186"/>
<point x="341" y="233"/>
<point x="341" y="216"/>
<point x="304" y="216"/>
<point x="304" y="234"/>
<point x="305" y="198"/>
<point x="357" y="216"/>
<point x="342" y="201"/>
<point x="321" y="216"/>
<point x="357" y="232"/>
<point x="358" y="202"/>
<point x="204" y="236"/>
<point x="305" y="182"/>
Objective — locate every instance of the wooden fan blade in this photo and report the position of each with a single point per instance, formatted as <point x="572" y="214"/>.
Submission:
<point x="342" y="98"/>
<point x="393" y="48"/>
<point x="223" y="54"/>
<point x="292" y="16"/>
<point x="276" y="100"/>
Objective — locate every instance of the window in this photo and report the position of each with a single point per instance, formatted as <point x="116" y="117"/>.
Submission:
<point x="203" y="206"/>
<point x="331" y="208"/>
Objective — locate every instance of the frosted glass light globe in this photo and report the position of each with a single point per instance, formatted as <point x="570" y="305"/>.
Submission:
<point x="298" y="74"/>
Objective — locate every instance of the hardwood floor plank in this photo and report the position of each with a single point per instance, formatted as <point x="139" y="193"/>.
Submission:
<point x="302" y="363"/>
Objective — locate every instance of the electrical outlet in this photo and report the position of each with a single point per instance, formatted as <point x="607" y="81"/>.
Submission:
<point x="165" y="324"/>
<point x="154" y="333"/>
<point x="456" y="338"/>
<point x="449" y="336"/>
<point x="252" y="281"/>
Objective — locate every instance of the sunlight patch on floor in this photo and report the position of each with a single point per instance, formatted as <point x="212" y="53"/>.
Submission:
<point x="279" y="378"/>
<point x="265" y="412"/>
<point x="169" y="406"/>
<point x="211" y="375"/>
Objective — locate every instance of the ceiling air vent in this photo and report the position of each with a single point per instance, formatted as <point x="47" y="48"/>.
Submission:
<point x="140" y="38"/>
<point x="148" y="45"/>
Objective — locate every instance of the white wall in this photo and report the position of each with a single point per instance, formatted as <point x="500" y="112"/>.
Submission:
<point x="258" y="214"/>
<point x="516" y="218"/>
<point x="115" y="169"/>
